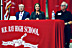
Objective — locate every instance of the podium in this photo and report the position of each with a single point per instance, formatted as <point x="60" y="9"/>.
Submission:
<point x="32" y="33"/>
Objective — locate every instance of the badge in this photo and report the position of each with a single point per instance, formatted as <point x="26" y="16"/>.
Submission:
<point x="59" y="13"/>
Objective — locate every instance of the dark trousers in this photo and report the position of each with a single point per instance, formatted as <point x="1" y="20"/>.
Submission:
<point x="67" y="32"/>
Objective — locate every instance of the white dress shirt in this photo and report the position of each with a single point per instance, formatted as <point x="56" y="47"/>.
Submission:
<point x="21" y="15"/>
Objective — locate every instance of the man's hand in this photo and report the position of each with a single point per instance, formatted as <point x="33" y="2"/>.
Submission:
<point x="70" y="22"/>
<point x="66" y="23"/>
<point x="27" y="19"/>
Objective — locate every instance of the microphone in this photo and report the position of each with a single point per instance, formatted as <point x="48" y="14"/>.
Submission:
<point x="37" y="17"/>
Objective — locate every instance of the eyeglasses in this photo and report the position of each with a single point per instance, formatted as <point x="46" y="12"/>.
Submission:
<point x="63" y="5"/>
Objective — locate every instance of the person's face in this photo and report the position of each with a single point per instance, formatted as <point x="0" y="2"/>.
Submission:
<point x="63" y="6"/>
<point x="21" y="8"/>
<point x="37" y="7"/>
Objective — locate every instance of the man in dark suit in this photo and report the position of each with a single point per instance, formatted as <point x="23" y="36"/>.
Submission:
<point x="22" y="14"/>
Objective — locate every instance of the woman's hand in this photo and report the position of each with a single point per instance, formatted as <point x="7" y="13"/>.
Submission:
<point x="37" y="18"/>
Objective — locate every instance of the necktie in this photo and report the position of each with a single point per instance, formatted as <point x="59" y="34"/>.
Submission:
<point x="21" y="12"/>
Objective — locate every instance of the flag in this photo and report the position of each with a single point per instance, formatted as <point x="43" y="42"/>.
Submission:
<point x="7" y="8"/>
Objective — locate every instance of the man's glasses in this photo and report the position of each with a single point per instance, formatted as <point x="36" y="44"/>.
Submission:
<point x="63" y="5"/>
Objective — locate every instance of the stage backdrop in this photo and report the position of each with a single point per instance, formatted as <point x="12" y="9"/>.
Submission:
<point x="55" y="5"/>
<point x="29" y="5"/>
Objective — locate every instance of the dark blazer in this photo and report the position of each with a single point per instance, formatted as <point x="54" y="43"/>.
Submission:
<point x="33" y="16"/>
<point x="25" y="15"/>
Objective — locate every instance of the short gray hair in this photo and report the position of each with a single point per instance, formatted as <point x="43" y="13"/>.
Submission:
<point x="65" y="4"/>
<point x="21" y="5"/>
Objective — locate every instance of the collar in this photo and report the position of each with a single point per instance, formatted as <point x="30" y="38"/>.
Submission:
<point x="63" y="12"/>
<point x="22" y="12"/>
